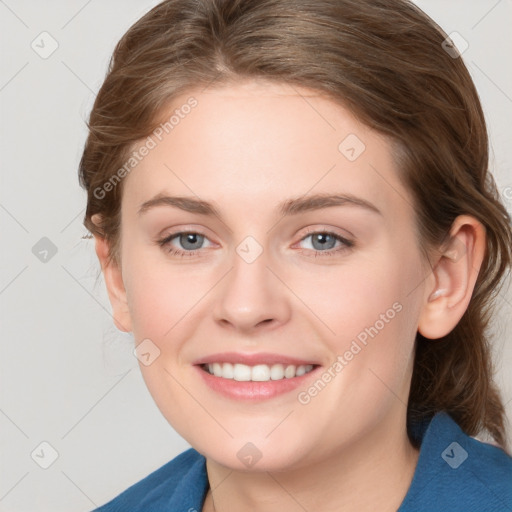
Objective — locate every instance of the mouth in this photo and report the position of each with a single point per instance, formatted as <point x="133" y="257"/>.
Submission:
<point x="254" y="377"/>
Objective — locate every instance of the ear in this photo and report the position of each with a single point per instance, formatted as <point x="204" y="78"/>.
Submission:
<point x="114" y="282"/>
<point x="452" y="282"/>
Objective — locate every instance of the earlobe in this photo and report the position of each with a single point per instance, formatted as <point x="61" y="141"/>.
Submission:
<point x="115" y="286"/>
<point x="453" y="279"/>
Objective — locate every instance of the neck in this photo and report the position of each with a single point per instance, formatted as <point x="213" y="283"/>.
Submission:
<point x="376" y="469"/>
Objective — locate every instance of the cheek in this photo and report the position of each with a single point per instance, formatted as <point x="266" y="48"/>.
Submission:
<point x="368" y="292"/>
<point x="374" y="314"/>
<point x="159" y="296"/>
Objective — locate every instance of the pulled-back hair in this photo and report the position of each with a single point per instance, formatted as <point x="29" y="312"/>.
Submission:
<point x="385" y="61"/>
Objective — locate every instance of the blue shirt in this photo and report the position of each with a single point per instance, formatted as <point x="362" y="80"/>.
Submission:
<point x="455" y="472"/>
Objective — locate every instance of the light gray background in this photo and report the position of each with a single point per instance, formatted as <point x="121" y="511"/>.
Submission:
<point x="68" y="377"/>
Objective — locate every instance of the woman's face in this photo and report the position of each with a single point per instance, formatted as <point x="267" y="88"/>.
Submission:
<point x="276" y="279"/>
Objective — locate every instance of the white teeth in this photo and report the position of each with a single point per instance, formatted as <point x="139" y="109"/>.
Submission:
<point x="277" y="372"/>
<point x="289" y="371"/>
<point x="217" y="370"/>
<point x="301" y="370"/>
<point x="257" y="373"/>
<point x="228" y="371"/>
<point x="241" y="372"/>
<point x="260" y="373"/>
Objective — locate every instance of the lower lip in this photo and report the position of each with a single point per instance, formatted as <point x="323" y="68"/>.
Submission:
<point x="251" y="390"/>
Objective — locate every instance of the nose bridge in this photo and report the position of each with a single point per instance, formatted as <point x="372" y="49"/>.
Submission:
<point x="250" y="294"/>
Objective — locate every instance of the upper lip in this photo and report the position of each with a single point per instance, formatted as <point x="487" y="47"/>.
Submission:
<point x="252" y="359"/>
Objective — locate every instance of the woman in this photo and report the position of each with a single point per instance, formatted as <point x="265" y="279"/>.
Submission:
<point x="321" y="342"/>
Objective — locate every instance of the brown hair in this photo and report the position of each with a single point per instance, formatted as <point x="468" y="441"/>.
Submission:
<point x="384" y="60"/>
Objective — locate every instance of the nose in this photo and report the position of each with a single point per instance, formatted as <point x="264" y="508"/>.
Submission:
<point x="251" y="297"/>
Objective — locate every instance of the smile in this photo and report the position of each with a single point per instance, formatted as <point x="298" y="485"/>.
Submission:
<point x="256" y="373"/>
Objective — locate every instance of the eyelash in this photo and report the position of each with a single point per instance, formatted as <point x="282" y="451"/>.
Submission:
<point x="331" y="252"/>
<point x="347" y="244"/>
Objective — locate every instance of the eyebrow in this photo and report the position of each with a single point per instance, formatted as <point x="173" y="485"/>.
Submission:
<point x="286" y="208"/>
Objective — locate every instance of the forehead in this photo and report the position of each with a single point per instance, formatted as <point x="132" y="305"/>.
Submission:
<point x="254" y="143"/>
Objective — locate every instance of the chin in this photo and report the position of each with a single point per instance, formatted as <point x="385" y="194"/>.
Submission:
<point x="255" y="456"/>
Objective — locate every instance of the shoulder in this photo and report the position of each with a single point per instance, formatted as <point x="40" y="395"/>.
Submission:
<point x="457" y="472"/>
<point x="184" y="477"/>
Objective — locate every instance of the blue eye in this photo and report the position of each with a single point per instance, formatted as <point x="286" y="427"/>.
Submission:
<point x="326" y="240"/>
<point x="191" y="241"/>
<point x="187" y="239"/>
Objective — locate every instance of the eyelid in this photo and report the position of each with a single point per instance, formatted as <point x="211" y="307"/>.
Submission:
<point x="170" y="232"/>
<point x="323" y="228"/>
<point x="165" y="239"/>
